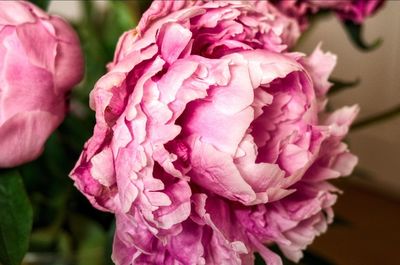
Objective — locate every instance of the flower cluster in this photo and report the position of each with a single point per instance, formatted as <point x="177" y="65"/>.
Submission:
<point x="211" y="140"/>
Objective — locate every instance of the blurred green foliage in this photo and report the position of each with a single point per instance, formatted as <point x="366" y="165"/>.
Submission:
<point x="43" y="4"/>
<point x="63" y="220"/>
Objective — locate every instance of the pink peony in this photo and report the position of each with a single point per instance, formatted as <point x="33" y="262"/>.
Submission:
<point x="210" y="142"/>
<point x="40" y="61"/>
<point x="353" y="10"/>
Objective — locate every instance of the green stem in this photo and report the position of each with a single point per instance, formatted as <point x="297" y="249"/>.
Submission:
<point x="381" y="117"/>
<point x="355" y="33"/>
<point x="340" y="85"/>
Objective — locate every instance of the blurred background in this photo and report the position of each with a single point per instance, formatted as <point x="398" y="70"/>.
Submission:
<point x="378" y="146"/>
<point x="370" y="205"/>
<point x="365" y="231"/>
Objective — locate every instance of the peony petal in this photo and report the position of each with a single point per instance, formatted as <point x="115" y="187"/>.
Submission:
<point x="103" y="167"/>
<point x="210" y="124"/>
<point x="320" y="65"/>
<point x="215" y="171"/>
<point x="171" y="48"/>
<point x="22" y="137"/>
<point x="9" y="9"/>
<point x="68" y="72"/>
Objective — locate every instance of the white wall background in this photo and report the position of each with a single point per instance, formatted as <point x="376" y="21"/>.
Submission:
<point x="378" y="147"/>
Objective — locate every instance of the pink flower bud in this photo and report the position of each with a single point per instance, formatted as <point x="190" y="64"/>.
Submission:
<point x="40" y="61"/>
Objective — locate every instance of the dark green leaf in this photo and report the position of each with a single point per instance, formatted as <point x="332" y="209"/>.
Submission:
<point x="380" y="117"/>
<point x="340" y="85"/>
<point x="362" y="173"/>
<point x="15" y="218"/>
<point x="43" y="4"/>
<point x="354" y="31"/>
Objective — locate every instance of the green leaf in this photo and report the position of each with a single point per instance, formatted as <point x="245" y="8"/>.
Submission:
<point x="340" y="85"/>
<point x="354" y="31"/>
<point x="362" y="173"/>
<point x="43" y="4"/>
<point x="377" y="118"/>
<point x="15" y="218"/>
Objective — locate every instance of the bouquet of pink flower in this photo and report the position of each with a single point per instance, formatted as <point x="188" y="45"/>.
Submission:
<point x="212" y="138"/>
